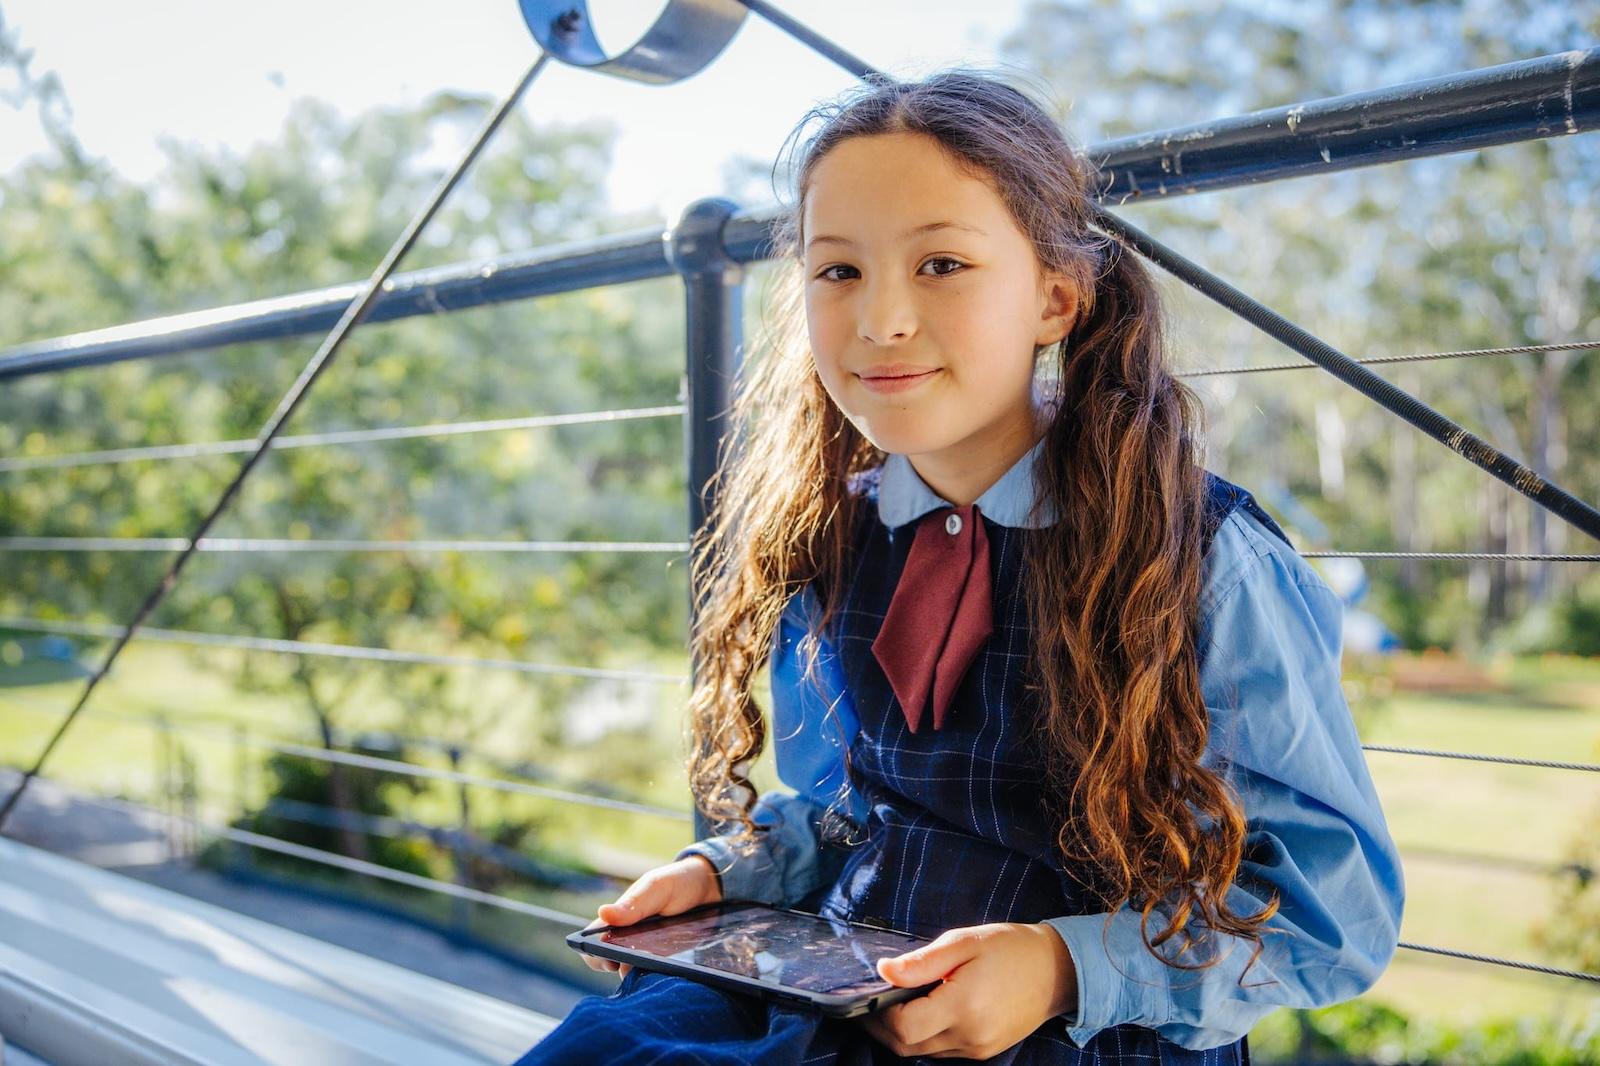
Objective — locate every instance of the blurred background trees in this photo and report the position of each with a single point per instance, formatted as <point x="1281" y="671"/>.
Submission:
<point x="1477" y="250"/>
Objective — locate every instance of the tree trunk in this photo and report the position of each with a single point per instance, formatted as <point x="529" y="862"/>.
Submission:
<point x="1495" y="607"/>
<point x="1547" y="459"/>
<point x="354" y="842"/>
<point x="1403" y="493"/>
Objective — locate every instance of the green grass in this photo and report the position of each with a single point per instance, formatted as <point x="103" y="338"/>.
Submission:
<point x="1541" y="708"/>
<point x="1547" y="709"/>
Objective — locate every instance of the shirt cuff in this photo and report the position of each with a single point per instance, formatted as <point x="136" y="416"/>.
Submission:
<point x="787" y="862"/>
<point x="1133" y="989"/>
<point x="753" y="876"/>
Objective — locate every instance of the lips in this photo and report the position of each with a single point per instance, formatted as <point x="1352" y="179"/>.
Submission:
<point x="897" y="377"/>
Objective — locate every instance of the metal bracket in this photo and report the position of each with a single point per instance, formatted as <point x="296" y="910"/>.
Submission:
<point x="687" y="35"/>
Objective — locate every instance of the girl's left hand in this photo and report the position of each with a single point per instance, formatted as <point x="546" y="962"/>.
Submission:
<point x="1000" y="983"/>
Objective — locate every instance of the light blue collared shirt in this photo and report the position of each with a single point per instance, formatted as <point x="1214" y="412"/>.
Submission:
<point x="1269" y="638"/>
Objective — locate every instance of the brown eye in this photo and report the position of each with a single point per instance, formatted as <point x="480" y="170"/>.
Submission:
<point x="956" y="263"/>
<point x="826" y="272"/>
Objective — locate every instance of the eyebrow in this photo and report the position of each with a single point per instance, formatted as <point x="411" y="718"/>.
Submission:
<point x="915" y="231"/>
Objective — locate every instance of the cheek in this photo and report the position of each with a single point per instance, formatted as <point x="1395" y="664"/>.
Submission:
<point x="825" y="368"/>
<point x="822" y="329"/>
<point x="990" y="339"/>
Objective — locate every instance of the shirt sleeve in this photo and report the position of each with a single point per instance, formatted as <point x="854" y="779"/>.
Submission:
<point x="812" y="723"/>
<point x="1271" y="634"/>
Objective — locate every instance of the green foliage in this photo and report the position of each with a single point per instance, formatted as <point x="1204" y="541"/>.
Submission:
<point x="1465" y="251"/>
<point x="1475" y="250"/>
<point x="1371" y="1032"/>
<point x="334" y="789"/>
<point x="82" y="247"/>
<point x="1572" y="932"/>
<point x="1568" y="624"/>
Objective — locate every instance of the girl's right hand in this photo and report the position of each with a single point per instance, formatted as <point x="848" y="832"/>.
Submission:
<point x="670" y="889"/>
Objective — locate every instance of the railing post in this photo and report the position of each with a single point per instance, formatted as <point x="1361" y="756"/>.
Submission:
<point x="461" y="910"/>
<point x="713" y="286"/>
<point x="239" y="856"/>
<point x="165" y="772"/>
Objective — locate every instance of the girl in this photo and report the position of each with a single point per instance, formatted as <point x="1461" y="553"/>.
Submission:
<point x="1044" y="688"/>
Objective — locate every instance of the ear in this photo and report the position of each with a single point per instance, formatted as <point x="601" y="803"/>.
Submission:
<point x="1058" y="311"/>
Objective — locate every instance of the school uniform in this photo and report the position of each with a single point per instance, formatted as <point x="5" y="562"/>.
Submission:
<point x="950" y="824"/>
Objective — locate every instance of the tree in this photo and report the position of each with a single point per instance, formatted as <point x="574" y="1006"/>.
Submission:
<point x="1488" y="249"/>
<point x="83" y="247"/>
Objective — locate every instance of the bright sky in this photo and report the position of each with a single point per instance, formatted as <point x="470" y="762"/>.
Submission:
<point x="225" y="73"/>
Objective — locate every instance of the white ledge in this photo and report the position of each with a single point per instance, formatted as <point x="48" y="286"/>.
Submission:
<point x="98" y="968"/>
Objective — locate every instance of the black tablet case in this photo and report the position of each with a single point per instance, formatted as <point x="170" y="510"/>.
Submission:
<point x="834" y="1005"/>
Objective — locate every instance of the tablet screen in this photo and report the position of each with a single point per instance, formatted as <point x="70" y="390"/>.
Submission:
<point x="776" y="947"/>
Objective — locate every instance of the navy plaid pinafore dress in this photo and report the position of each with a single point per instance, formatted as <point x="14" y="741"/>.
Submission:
<point x="957" y="835"/>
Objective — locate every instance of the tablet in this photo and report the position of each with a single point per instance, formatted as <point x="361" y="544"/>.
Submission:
<point x="789" y="956"/>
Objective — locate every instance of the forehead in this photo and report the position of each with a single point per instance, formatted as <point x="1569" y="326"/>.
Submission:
<point x="876" y="189"/>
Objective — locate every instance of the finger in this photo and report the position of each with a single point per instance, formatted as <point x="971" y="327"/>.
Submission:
<point x="932" y="963"/>
<point x="884" y="1033"/>
<point x="880" y="1032"/>
<point x="919" y="1020"/>
<point x="943" y="1045"/>
<point x="625" y="967"/>
<point x="955" y="1051"/>
<point x="595" y="962"/>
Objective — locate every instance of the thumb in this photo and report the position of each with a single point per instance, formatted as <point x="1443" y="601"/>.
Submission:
<point x="640" y="901"/>
<point x="926" y="965"/>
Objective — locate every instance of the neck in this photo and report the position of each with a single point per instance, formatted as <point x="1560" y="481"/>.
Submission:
<point x="965" y="471"/>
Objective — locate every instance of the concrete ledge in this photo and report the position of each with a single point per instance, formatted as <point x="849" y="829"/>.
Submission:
<point x="98" y="968"/>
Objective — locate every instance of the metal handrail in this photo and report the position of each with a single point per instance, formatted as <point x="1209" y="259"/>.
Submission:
<point x="1554" y="95"/>
<point x="1496" y="105"/>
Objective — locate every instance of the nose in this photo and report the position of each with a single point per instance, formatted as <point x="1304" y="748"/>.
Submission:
<point x="886" y="314"/>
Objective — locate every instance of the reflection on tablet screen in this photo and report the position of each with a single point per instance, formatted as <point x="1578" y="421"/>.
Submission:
<point x="815" y="954"/>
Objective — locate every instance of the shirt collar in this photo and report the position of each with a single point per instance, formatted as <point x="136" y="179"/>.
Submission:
<point x="904" y="497"/>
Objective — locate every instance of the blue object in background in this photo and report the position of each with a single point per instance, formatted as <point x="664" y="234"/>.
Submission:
<point x="38" y="660"/>
<point x="1363" y="632"/>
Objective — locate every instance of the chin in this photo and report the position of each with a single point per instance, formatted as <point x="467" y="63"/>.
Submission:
<point x="897" y="439"/>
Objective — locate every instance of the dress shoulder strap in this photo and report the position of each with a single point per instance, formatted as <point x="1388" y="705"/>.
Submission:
<point x="1222" y="496"/>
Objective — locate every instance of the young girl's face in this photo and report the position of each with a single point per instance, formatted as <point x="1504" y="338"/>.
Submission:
<point x="925" y="303"/>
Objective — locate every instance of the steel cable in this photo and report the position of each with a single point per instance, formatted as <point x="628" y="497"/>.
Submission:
<point x="385" y="873"/>
<point x="1378" y="360"/>
<point x="310" y="544"/>
<point x="1341" y="366"/>
<point x="233" y="732"/>
<point x="1524" y="557"/>
<point x="1508" y="760"/>
<point x="1532" y="967"/>
<point x="336" y="651"/>
<point x="290" y="402"/>
<point x="202" y="449"/>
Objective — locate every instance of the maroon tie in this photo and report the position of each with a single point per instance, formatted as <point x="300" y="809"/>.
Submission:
<point x="940" y="614"/>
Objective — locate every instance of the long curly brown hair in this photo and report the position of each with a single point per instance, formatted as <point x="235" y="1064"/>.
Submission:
<point x="1112" y="586"/>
